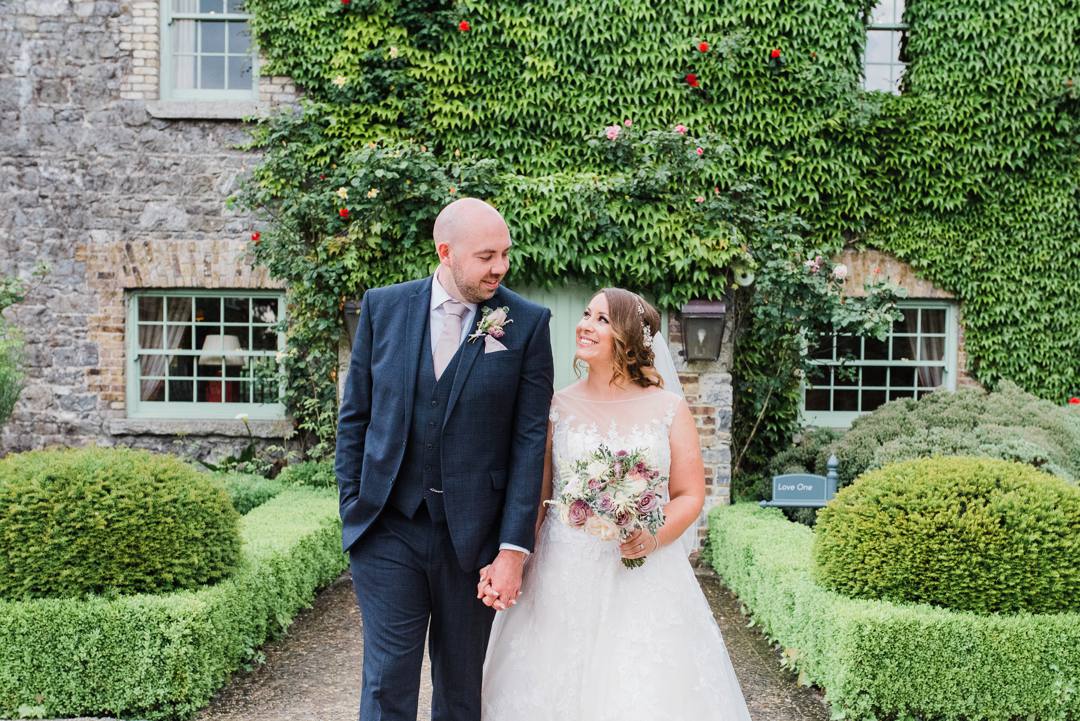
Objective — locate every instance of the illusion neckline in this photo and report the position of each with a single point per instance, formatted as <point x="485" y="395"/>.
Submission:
<point x="614" y="400"/>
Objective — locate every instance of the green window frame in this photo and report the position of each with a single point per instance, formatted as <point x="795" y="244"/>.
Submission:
<point x="205" y="354"/>
<point x="882" y="61"/>
<point x="207" y="52"/>
<point x="918" y="357"/>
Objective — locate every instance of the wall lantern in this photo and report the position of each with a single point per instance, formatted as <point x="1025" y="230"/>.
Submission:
<point x="702" y="329"/>
<point x="352" y="319"/>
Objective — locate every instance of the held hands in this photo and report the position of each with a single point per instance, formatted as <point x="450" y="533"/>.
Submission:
<point x="500" y="582"/>
<point x="640" y="544"/>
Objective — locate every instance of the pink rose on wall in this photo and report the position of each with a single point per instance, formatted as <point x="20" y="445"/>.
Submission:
<point x="680" y="129"/>
<point x="612" y="132"/>
<point x="840" y="272"/>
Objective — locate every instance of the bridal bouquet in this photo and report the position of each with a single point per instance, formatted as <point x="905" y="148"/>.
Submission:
<point x="610" y="495"/>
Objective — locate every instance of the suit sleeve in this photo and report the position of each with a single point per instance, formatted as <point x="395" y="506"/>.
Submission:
<point x="526" y="471"/>
<point x="355" y="411"/>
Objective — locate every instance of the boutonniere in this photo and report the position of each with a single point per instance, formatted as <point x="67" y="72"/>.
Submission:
<point x="493" y="322"/>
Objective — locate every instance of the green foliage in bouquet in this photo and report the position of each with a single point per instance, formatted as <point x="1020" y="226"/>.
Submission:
<point x="110" y="521"/>
<point x="971" y="534"/>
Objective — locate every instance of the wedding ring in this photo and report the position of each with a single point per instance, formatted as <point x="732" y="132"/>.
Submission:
<point x="640" y="546"/>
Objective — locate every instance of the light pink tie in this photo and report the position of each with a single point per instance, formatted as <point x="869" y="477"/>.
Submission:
<point x="450" y="338"/>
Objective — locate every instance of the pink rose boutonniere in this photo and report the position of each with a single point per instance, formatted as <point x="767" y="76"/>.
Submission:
<point x="493" y="322"/>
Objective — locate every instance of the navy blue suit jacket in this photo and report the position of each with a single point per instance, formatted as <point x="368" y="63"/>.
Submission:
<point x="494" y="430"/>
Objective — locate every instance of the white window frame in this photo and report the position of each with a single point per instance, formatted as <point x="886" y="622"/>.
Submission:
<point x="843" y="419"/>
<point x="167" y="59"/>
<point x="897" y="68"/>
<point x="194" y="410"/>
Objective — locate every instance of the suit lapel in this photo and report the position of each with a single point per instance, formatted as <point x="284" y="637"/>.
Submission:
<point x="469" y="353"/>
<point x="419" y="308"/>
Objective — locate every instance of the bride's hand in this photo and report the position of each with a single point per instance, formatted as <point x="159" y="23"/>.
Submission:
<point x="640" y="544"/>
<point x="484" y="582"/>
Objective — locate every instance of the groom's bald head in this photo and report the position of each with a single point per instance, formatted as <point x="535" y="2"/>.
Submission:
<point x="473" y="244"/>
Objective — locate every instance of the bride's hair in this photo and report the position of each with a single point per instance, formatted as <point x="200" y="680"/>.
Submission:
<point x="631" y="318"/>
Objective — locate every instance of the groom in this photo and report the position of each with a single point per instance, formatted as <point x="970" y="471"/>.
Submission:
<point x="440" y="453"/>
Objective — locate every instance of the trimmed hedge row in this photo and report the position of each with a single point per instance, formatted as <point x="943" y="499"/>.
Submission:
<point x="877" y="659"/>
<point x="164" y="656"/>
<point x="247" y="490"/>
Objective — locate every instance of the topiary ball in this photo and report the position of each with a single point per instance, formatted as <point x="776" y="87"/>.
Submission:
<point x="102" y="520"/>
<point x="973" y="534"/>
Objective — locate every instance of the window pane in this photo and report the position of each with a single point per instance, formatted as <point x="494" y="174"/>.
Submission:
<point x="239" y="38"/>
<point x="181" y="365"/>
<point x="211" y="391"/>
<point x="931" y="377"/>
<point x="903" y="348"/>
<point x="904" y="377"/>
<point x="208" y="367"/>
<point x="184" y="72"/>
<point x="240" y="77"/>
<point x="847" y="346"/>
<point x="211" y="6"/>
<point x="236" y="310"/>
<point x="933" y="320"/>
<point x="236" y="6"/>
<point x="883" y="12"/>
<point x="874" y="375"/>
<point x="877" y="77"/>
<point x="211" y="37"/>
<point x="207" y="310"/>
<point x="265" y="339"/>
<point x="185" y="6"/>
<point x="819" y="376"/>
<point x="872" y="400"/>
<point x="879" y="47"/>
<point x="151" y="336"/>
<point x="264" y="310"/>
<point x="846" y="376"/>
<point x="240" y="333"/>
<point x="181" y="391"/>
<point x="152" y="390"/>
<point x="895" y="394"/>
<point x="817" y="399"/>
<point x="150" y="308"/>
<point x="875" y="349"/>
<point x="178" y="310"/>
<point x="933" y="349"/>
<point x="845" y="400"/>
<point x="212" y="75"/>
<point x="908" y="323"/>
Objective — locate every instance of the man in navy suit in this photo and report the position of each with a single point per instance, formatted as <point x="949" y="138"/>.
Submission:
<point x="440" y="453"/>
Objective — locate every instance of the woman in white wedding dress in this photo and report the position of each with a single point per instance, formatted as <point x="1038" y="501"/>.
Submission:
<point x="589" y="639"/>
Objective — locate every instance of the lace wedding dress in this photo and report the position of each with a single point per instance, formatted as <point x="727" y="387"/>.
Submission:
<point x="590" y="640"/>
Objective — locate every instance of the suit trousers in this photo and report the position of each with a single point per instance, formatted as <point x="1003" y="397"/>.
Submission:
<point x="406" y="577"/>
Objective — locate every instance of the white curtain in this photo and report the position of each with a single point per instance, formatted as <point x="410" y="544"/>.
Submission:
<point x="179" y="317"/>
<point x="184" y="46"/>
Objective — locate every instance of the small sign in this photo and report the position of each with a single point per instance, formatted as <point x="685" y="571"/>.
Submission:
<point x="803" y="490"/>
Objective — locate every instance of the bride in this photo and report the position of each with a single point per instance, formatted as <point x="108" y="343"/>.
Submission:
<point x="589" y="639"/>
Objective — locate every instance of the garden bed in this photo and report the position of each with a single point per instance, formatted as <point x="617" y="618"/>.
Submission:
<point x="882" y="660"/>
<point x="164" y="656"/>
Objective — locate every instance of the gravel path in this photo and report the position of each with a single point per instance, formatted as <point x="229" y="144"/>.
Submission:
<point x="313" y="673"/>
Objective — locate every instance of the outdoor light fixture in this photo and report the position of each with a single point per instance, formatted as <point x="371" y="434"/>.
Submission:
<point x="352" y="319"/>
<point x="702" y="329"/>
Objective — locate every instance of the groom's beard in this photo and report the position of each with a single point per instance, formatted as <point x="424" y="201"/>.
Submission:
<point x="474" y="292"/>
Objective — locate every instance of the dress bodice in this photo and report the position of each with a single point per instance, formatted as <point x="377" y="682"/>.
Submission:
<point x="581" y="425"/>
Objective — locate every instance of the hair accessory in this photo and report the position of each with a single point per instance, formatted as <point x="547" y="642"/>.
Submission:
<point x="646" y="334"/>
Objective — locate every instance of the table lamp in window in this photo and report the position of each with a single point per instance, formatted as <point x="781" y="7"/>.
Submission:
<point x="215" y="349"/>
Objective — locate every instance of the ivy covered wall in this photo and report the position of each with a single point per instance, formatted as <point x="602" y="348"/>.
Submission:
<point x="972" y="175"/>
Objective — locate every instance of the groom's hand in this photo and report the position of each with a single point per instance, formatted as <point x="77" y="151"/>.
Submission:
<point x="503" y="580"/>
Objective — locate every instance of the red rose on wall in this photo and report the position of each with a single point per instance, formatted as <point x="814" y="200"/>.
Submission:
<point x="464" y="26"/>
<point x="1074" y="401"/>
<point x="344" y="213"/>
<point x="255" y="237"/>
<point x="692" y="80"/>
<point x="703" y="47"/>
<point x="775" y="53"/>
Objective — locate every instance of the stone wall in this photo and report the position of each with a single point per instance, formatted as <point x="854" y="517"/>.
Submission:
<point x="116" y="191"/>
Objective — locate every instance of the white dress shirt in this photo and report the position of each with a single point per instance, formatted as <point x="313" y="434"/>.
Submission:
<point x="439" y="295"/>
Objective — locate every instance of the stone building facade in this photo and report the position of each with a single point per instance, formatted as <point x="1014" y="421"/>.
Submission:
<point x="120" y="186"/>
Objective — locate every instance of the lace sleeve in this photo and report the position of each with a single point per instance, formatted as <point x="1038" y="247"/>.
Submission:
<point x="554" y="414"/>
<point x="673" y="404"/>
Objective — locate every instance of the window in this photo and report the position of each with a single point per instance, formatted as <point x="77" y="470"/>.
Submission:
<point x="206" y="51"/>
<point x="917" y="358"/>
<point x="882" y="66"/>
<point x="204" y="354"/>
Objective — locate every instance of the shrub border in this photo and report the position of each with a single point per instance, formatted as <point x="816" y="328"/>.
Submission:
<point x="164" y="656"/>
<point x="877" y="659"/>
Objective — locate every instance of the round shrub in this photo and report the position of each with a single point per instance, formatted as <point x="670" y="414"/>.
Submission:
<point x="1008" y="424"/>
<point x="112" y="521"/>
<point x="973" y="534"/>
